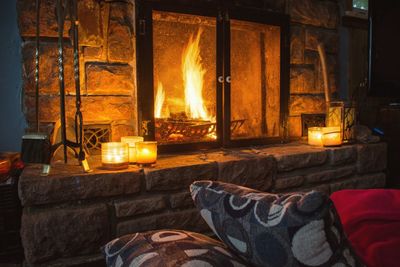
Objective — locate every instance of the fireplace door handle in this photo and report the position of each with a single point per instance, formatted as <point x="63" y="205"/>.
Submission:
<point x="228" y="79"/>
<point x="220" y="79"/>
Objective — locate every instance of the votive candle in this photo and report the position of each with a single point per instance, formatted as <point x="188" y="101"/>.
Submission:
<point x="146" y="152"/>
<point x="314" y="136"/>
<point x="331" y="136"/>
<point x="131" y="141"/>
<point x="114" y="155"/>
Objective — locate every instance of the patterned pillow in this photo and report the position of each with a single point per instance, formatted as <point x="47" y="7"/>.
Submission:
<point x="168" y="248"/>
<point x="297" y="229"/>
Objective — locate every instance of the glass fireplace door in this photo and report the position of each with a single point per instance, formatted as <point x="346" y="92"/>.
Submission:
<point x="211" y="77"/>
<point x="184" y="78"/>
<point x="256" y="83"/>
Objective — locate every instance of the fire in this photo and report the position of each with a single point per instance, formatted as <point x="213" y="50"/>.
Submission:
<point x="160" y="98"/>
<point x="193" y="78"/>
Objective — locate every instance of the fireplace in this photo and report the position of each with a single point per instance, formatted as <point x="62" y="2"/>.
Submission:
<point x="211" y="76"/>
<point x="129" y="48"/>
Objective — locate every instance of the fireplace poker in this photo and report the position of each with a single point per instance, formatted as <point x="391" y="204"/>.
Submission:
<point x="36" y="147"/>
<point x="78" y="102"/>
<point x="61" y="14"/>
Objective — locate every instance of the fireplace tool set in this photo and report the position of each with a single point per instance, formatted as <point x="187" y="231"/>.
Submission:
<point x="37" y="148"/>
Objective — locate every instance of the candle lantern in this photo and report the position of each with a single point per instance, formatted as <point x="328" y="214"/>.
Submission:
<point x="146" y="152"/>
<point x="131" y="141"/>
<point x="331" y="136"/>
<point x="349" y="120"/>
<point x="114" y="155"/>
<point x="342" y="114"/>
<point x="314" y="136"/>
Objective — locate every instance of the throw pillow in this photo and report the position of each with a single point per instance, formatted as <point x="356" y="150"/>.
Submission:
<point x="296" y="229"/>
<point x="168" y="248"/>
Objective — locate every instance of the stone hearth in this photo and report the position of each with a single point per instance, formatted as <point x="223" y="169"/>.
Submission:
<point x="69" y="215"/>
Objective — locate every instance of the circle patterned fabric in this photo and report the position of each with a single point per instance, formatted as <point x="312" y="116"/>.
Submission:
<point x="168" y="248"/>
<point x="275" y="230"/>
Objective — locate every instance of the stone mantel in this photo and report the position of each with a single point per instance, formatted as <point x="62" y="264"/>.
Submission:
<point x="71" y="214"/>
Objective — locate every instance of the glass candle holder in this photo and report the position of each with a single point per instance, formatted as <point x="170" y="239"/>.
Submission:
<point x="314" y="136"/>
<point x="146" y="152"/>
<point x="114" y="155"/>
<point x="349" y="121"/>
<point x="131" y="141"/>
<point x="331" y="136"/>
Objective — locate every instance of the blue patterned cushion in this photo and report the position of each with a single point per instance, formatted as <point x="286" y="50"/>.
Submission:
<point x="297" y="229"/>
<point x="168" y="248"/>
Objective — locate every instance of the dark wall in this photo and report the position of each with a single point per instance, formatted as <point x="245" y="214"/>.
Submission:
<point x="12" y="121"/>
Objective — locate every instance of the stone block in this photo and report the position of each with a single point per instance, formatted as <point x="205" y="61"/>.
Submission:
<point x="93" y="54"/>
<point x="178" y="172"/>
<point x="252" y="171"/>
<point x="120" y="28"/>
<point x="371" y="157"/>
<point x="367" y="181"/>
<point x="299" y="160"/>
<point x="106" y="79"/>
<point x="67" y="231"/>
<point x="48" y="21"/>
<point x="297" y="44"/>
<point x="138" y="206"/>
<point x="320" y="177"/>
<point x="90" y="33"/>
<point x="68" y="183"/>
<point x="313" y="12"/>
<point x="299" y="104"/>
<point x="331" y="174"/>
<point x="190" y="220"/>
<point x="48" y="69"/>
<point x="282" y="183"/>
<point x="302" y="79"/>
<point x="123" y="128"/>
<point x="181" y="200"/>
<point x="94" y="108"/>
<point x="342" y="155"/>
<point x="295" y="127"/>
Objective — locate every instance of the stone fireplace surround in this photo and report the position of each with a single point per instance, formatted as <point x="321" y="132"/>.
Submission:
<point x="69" y="215"/>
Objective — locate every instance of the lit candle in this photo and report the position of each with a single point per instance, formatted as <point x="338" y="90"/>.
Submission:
<point x="314" y="136"/>
<point x="131" y="141"/>
<point x="146" y="153"/>
<point x="331" y="136"/>
<point x="114" y="155"/>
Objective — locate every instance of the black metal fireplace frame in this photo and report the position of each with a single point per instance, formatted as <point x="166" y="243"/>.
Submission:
<point x="222" y="14"/>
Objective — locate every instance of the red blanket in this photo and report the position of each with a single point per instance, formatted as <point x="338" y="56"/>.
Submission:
<point x="371" y="220"/>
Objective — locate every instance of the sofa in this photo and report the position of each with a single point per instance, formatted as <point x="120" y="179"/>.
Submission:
<point x="255" y="228"/>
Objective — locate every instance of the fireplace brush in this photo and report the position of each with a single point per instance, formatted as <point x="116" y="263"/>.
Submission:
<point x="36" y="147"/>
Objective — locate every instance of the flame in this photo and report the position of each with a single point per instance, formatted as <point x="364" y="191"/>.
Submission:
<point x="193" y="77"/>
<point x="160" y="98"/>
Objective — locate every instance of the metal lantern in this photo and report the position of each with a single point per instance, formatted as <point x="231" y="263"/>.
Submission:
<point x="342" y="114"/>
